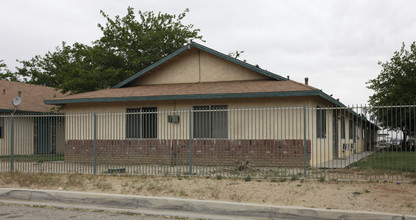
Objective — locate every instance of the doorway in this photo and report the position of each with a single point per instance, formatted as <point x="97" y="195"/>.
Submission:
<point x="335" y="133"/>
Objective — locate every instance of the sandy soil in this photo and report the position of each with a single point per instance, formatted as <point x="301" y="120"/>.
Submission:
<point x="368" y="196"/>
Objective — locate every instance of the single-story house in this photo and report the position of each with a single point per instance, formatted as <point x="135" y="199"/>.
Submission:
<point x="34" y="132"/>
<point x="200" y="103"/>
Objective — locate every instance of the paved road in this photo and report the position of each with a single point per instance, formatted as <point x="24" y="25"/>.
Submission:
<point x="19" y="212"/>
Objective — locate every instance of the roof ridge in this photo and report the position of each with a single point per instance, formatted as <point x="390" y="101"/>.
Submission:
<point x="186" y="83"/>
<point x="307" y="86"/>
<point x="27" y="84"/>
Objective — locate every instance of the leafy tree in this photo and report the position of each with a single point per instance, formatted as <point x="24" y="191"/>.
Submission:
<point x="77" y="68"/>
<point x="128" y="45"/>
<point x="6" y="74"/>
<point x="395" y="85"/>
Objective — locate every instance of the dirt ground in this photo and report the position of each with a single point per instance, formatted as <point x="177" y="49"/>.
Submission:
<point x="368" y="196"/>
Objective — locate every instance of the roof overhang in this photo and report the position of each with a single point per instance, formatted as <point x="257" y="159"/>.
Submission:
<point x="198" y="96"/>
<point x="19" y="111"/>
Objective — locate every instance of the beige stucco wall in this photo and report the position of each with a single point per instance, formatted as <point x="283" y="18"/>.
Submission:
<point x="251" y="111"/>
<point x="24" y="130"/>
<point x="325" y="146"/>
<point x="214" y="69"/>
<point x="197" y="66"/>
<point x="247" y="118"/>
<point x="262" y="118"/>
<point x="23" y="136"/>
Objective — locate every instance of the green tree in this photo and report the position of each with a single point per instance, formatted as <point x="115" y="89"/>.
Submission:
<point x="396" y="85"/>
<point x="77" y="68"/>
<point x="6" y="74"/>
<point x="128" y="45"/>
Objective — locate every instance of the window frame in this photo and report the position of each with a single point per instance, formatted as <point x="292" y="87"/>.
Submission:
<point x="342" y="127"/>
<point x="351" y="129"/>
<point x="320" y="122"/>
<point x="357" y="130"/>
<point x="140" y="125"/>
<point x="1" y="127"/>
<point x="204" y="120"/>
<point x="363" y="131"/>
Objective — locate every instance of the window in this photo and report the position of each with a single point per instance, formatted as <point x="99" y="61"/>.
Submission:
<point x="210" y="121"/>
<point x="141" y="122"/>
<point x="351" y="129"/>
<point x="320" y="122"/>
<point x="363" y="132"/>
<point x="357" y="128"/>
<point x="342" y="127"/>
<point x="1" y="127"/>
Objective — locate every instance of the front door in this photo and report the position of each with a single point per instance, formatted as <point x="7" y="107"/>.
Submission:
<point x="335" y="132"/>
<point x="44" y="135"/>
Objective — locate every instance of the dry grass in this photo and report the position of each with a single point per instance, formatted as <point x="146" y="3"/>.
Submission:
<point x="370" y="196"/>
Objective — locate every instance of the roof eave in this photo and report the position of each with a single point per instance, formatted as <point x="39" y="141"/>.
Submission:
<point x="185" y="97"/>
<point x="338" y="103"/>
<point x="330" y="99"/>
<point x="19" y="111"/>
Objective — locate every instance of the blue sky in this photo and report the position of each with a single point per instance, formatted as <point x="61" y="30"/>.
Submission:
<point x="337" y="43"/>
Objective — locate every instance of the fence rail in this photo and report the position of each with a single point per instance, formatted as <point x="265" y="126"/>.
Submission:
<point x="342" y="143"/>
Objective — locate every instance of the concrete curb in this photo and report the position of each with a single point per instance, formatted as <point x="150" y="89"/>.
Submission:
<point x="175" y="206"/>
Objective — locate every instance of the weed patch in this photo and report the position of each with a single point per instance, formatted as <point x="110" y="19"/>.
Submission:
<point x="182" y="192"/>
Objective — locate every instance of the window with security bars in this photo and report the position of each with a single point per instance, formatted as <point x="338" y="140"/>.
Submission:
<point x="351" y="129"/>
<point x="210" y="121"/>
<point x="141" y="122"/>
<point x="320" y="122"/>
<point x="343" y="127"/>
<point x="363" y="132"/>
<point x="357" y="129"/>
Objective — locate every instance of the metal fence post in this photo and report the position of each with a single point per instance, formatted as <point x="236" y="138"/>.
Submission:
<point x="12" y="143"/>
<point x="95" y="142"/>
<point x="304" y="141"/>
<point x="190" y="140"/>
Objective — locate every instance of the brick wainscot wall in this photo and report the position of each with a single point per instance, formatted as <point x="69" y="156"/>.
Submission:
<point x="258" y="153"/>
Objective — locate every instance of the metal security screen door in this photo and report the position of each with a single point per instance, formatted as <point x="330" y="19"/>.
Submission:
<point x="335" y="132"/>
<point x="44" y="135"/>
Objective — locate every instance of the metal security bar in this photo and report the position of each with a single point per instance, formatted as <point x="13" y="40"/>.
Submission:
<point x="360" y="143"/>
